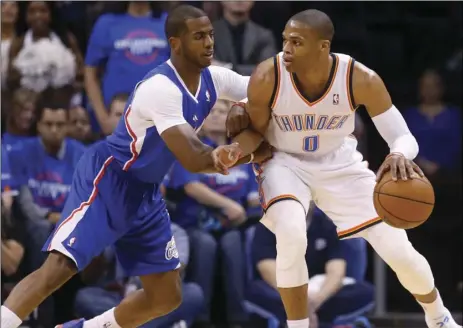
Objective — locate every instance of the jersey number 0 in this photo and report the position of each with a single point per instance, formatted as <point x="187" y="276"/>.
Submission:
<point x="311" y="143"/>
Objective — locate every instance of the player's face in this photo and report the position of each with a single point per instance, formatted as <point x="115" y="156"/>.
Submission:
<point x="52" y="127"/>
<point x="302" y="46"/>
<point x="197" y="43"/>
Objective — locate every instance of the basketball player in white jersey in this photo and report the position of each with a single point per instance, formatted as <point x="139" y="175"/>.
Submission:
<point x="303" y="103"/>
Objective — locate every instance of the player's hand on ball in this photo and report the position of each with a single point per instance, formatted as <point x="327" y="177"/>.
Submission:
<point x="225" y="157"/>
<point x="400" y="167"/>
<point x="237" y="119"/>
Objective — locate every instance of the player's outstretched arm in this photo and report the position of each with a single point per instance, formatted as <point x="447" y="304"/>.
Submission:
<point x="160" y="101"/>
<point x="369" y="90"/>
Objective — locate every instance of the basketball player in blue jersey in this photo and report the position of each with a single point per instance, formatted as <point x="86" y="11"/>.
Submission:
<point x="303" y="102"/>
<point x="115" y="197"/>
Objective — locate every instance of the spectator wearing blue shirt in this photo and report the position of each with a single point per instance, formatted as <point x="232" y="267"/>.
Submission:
<point x="44" y="167"/>
<point x="125" y="45"/>
<point x="213" y="204"/>
<point x="436" y="126"/>
<point x="334" y="298"/>
<point x="21" y="117"/>
<point x="108" y="284"/>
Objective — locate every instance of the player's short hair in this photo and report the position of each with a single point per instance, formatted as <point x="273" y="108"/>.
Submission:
<point x="317" y="20"/>
<point x="175" y="22"/>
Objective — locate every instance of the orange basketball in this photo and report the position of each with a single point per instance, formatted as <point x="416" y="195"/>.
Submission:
<point x="404" y="204"/>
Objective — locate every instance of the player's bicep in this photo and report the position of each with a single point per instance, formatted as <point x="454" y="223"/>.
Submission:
<point x="369" y="90"/>
<point x="228" y="84"/>
<point x="260" y="91"/>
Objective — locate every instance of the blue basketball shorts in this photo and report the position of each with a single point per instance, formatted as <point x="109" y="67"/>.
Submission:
<point x="108" y="207"/>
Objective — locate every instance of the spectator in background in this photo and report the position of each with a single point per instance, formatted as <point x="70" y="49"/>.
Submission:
<point x="9" y="18"/>
<point x="241" y="44"/>
<point x="213" y="204"/>
<point x="44" y="167"/>
<point x="79" y="126"/>
<point x="112" y="286"/>
<point x="332" y="294"/>
<point x="21" y="116"/>
<point x="45" y="54"/>
<point x="436" y="126"/>
<point x="116" y="109"/>
<point x="124" y="46"/>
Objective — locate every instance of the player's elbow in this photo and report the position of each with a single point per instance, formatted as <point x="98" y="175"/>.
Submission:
<point x="406" y="145"/>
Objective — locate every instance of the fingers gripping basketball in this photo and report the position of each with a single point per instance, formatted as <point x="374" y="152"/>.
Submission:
<point x="404" y="204"/>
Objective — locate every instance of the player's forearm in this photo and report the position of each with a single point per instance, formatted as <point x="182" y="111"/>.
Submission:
<point x="243" y="160"/>
<point x="249" y="141"/>
<point x="201" y="160"/>
<point x="394" y="130"/>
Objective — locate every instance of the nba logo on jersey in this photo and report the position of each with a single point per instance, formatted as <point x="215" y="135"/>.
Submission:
<point x="336" y="99"/>
<point x="208" y="96"/>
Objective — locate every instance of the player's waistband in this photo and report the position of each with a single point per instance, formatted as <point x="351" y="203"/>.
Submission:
<point x="101" y="151"/>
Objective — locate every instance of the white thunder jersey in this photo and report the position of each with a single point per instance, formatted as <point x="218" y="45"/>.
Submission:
<point x="315" y="158"/>
<point x="312" y="127"/>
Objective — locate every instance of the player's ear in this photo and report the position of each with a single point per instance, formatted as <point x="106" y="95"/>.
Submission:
<point x="325" y="45"/>
<point x="175" y="44"/>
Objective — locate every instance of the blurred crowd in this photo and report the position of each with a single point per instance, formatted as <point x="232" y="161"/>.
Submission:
<point x="67" y="69"/>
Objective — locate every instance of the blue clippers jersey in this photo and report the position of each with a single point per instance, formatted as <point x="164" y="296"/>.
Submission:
<point x="141" y="151"/>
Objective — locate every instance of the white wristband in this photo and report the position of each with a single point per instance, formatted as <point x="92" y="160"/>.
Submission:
<point x="252" y="158"/>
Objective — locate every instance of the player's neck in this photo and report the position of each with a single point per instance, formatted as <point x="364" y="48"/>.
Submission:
<point x="189" y="73"/>
<point x="317" y="74"/>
